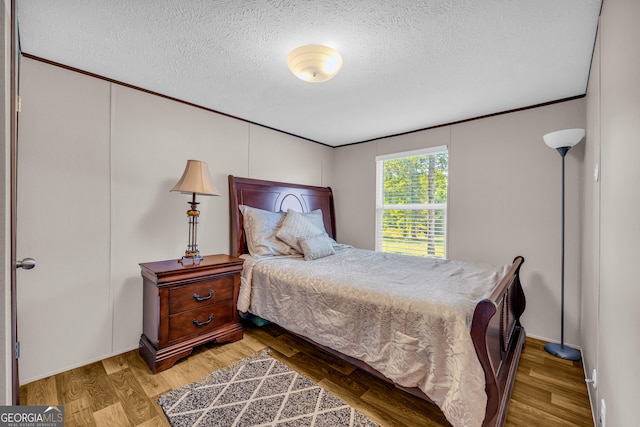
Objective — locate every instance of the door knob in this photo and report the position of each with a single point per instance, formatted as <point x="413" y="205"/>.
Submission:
<point x="26" y="264"/>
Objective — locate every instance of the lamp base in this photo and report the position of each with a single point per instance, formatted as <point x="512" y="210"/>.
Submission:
<point x="190" y="259"/>
<point x="562" y="351"/>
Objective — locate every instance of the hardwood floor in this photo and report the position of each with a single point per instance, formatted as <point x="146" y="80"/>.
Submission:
<point x="122" y="391"/>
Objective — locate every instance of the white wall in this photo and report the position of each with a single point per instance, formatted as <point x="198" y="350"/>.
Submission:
<point x="277" y="156"/>
<point x="96" y="163"/>
<point x="590" y="272"/>
<point x="152" y="139"/>
<point x="504" y="200"/>
<point x="618" y="105"/>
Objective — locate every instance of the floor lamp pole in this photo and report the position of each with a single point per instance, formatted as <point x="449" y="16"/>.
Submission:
<point x="562" y="267"/>
<point x="560" y="350"/>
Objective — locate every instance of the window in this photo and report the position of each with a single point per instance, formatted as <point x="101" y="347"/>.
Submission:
<point x="411" y="202"/>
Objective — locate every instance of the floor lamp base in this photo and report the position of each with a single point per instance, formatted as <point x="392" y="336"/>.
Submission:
<point x="562" y="351"/>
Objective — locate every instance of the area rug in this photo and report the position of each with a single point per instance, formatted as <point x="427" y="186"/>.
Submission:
<point x="258" y="391"/>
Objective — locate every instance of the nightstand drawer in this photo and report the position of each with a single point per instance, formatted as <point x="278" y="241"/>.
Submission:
<point x="202" y="293"/>
<point x="200" y="321"/>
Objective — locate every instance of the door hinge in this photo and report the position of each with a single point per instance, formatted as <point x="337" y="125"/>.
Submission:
<point x="17" y="349"/>
<point x="19" y="104"/>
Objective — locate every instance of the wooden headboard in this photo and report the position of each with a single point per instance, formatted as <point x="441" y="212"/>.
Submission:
<point x="275" y="197"/>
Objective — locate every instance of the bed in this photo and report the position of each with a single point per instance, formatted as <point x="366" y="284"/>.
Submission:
<point x="491" y="342"/>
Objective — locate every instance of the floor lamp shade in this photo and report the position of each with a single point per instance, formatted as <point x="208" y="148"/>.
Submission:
<point x="195" y="179"/>
<point x="562" y="141"/>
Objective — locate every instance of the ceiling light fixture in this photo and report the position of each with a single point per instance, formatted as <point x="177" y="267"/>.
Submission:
<point x="314" y="63"/>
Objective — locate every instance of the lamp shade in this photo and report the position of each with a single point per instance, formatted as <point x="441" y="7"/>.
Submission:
<point x="564" y="138"/>
<point x="314" y="63"/>
<point x="196" y="179"/>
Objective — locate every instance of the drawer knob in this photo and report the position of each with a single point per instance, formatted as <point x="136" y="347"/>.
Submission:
<point x="195" y="321"/>
<point x="199" y="298"/>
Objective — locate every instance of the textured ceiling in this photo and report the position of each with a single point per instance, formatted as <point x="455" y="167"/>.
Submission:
<point x="407" y="64"/>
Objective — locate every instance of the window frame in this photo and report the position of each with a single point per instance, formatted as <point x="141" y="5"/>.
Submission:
<point x="381" y="207"/>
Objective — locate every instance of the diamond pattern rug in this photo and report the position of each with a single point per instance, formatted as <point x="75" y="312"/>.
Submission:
<point x="258" y="391"/>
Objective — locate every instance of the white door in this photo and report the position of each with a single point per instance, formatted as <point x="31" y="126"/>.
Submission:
<point x="63" y="205"/>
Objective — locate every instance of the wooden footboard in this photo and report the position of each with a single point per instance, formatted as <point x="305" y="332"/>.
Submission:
<point x="499" y="338"/>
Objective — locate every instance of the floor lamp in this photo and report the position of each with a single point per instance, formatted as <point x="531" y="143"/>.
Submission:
<point x="562" y="141"/>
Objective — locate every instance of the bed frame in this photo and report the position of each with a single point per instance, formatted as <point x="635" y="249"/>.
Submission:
<point x="496" y="331"/>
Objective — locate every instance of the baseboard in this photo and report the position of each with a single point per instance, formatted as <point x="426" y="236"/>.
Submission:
<point x="577" y="347"/>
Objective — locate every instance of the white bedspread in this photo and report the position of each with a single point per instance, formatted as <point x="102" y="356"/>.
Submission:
<point x="407" y="317"/>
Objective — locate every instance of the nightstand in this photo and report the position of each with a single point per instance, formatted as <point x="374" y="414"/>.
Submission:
<point x="188" y="305"/>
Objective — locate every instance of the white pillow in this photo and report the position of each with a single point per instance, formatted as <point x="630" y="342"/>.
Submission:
<point x="316" y="246"/>
<point x="260" y="228"/>
<point x="315" y="218"/>
<point x="295" y="227"/>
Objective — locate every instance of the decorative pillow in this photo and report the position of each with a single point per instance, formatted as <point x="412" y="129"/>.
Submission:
<point x="294" y="227"/>
<point x="316" y="246"/>
<point x="260" y="228"/>
<point x="315" y="217"/>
